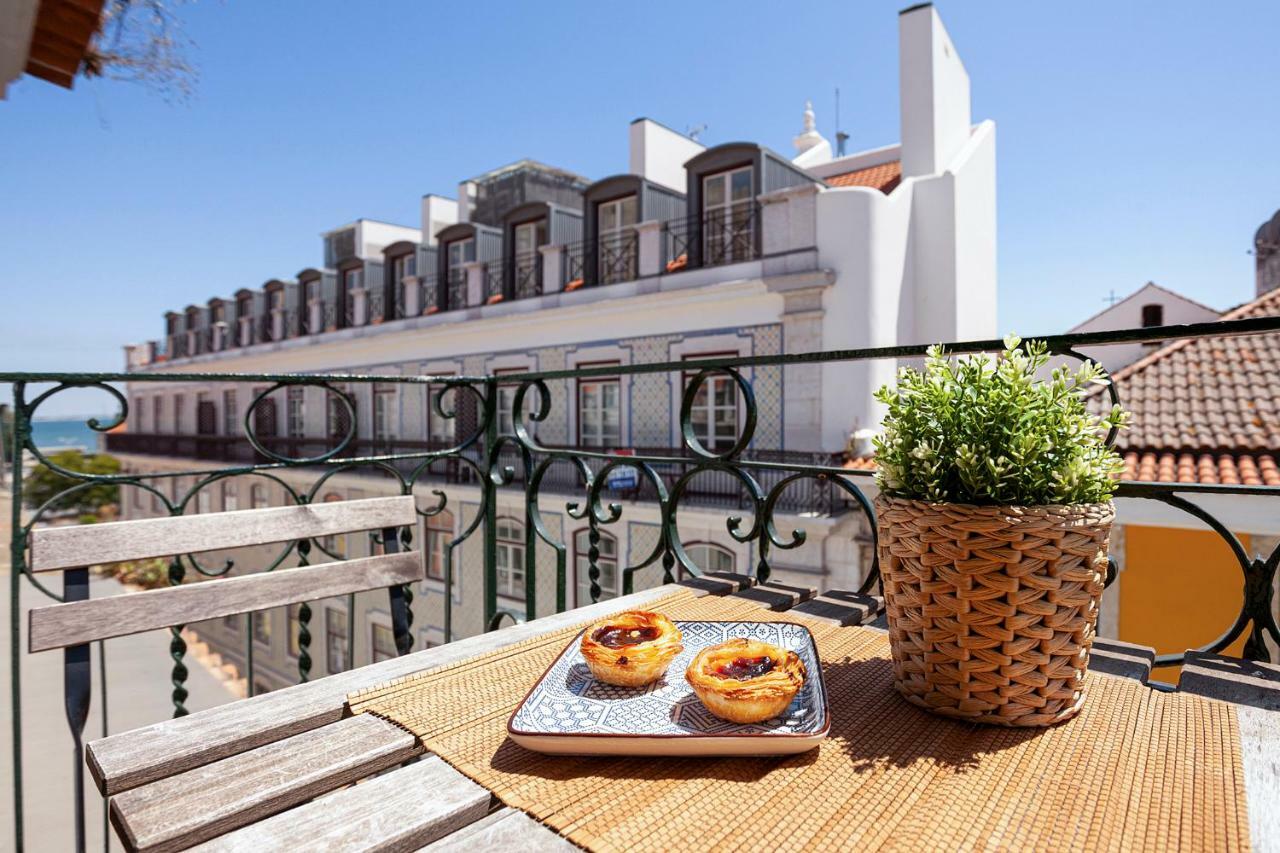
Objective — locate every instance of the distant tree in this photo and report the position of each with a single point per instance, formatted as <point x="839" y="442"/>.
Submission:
<point x="43" y="483"/>
<point x="141" y="41"/>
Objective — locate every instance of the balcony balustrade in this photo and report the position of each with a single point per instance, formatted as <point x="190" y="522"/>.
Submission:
<point x="601" y="489"/>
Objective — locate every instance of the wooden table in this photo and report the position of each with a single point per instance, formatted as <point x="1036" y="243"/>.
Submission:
<point x="275" y="771"/>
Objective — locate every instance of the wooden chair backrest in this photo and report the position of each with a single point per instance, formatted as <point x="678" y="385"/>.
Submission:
<point x="71" y="548"/>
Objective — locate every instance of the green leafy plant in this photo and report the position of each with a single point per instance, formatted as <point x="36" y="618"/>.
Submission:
<point x="981" y="431"/>
<point x="44" y="484"/>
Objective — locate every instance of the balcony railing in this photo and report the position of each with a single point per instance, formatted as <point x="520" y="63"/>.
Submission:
<point x="759" y="495"/>
<point x="713" y="238"/>
<point x="493" y="282"/>
<point x="457" y="291"/>
<point x="429" y="297"/>
<point x="526" y="275"/>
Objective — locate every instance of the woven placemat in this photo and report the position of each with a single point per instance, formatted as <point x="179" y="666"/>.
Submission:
<point x="1137" y="769"/>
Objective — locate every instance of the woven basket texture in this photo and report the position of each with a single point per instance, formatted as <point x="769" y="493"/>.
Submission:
<point x="992" y="609"/>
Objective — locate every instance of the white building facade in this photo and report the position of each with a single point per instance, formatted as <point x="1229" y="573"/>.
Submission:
<point x="731" y="250"/>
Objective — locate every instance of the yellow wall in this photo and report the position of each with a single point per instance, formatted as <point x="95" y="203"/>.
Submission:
<point x="1179" y="589"/>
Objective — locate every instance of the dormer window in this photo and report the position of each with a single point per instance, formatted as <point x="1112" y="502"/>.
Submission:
<point x="460" y="253"/>
<point x="727" y="221"/>
<point x="526" y="262"/>
<point x="617" y="255"/>
<point x="403" y="266"/>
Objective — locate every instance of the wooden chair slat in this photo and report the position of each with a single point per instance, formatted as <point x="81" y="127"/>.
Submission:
<point x="505" y="829"/>
<point x="400" y="810"/>
<point x="54" y="548"/>
<point x="180" y="811"/>
<point x="128" y="759"/>
<point x="62" y="625"/>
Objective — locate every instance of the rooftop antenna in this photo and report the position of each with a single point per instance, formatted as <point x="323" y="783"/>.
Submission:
<point x="841" y="136"/>
<point x="694" y="132"/>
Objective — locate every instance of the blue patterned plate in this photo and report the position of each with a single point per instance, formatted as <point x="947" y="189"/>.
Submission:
<point x="569" y="712"/>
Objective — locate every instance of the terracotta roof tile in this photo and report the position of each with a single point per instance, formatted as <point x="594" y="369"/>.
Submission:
<point x="884" y="177"/>
<point x="1152" y="466"/>
<point x="1214" y="395"/>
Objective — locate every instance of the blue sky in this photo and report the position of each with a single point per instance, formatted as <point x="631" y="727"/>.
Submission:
<point x="1136" y="141"/>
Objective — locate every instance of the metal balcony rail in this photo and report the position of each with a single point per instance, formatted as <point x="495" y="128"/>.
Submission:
<point x="713" y="238"/>
<point x="457" y="292"/>
<point x="494" y="291"/>
<point x="618" y="257"/>
<point x="526" y="275"/>
<point x="429" y="295"/>
<point x="598" y="488"/>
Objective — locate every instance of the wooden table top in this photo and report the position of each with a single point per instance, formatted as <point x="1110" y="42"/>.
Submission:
<point x="276" y="770"/>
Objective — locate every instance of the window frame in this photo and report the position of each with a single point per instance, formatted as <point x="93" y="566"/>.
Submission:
<point x="440" y="531"/>
<point x="447" y="426"/>
<point x="711" y="548"/>
<point x="332" y="616"/>
<point x="504" y="408"/>
<point x="725" y="214"/>
<point x="376" y="656"/>
<point x="616" y="233"/>
<point x="295" y="412"/>
<point x="1152" y="315"/>
<point x="261" y="619"/>
<point x="230" y="413"/>
<point x="510" y="545"/>
<point x="583" y="383"/>
<point x="707" y="386"/>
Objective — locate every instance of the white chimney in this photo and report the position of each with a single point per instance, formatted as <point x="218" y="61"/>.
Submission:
<point x="437" y="212"/>
<point x="659" y="153"/>
<point x="934" y="92"/>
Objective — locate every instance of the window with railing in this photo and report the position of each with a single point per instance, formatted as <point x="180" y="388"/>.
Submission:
<point x="714" y="414"/>
<point x="439" y="534"/>
<point x="335" y="640"/>
<point x="599" y="410"/>
<point x="617" y="247"/>
<point x="429" y="297"/>
<point x="710" y="557"/>
<point x="440" y="430"/>
<point x="509" y="540"/>
<point x="230" y="415"/>
<point x="606" y="563"/>
<point x="384" y="411"/>
<point x="312" y="307"/>
<point x="262" y="627"/>
<point x="506" y="400"/>
<point x="337" y="415"/>
<point x="526" y="266"/>
<point x="459" y="254"/>
<point x="295" y="412"/>
<point x="382" y="642"/>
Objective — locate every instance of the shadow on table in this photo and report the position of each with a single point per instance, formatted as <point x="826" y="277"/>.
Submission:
<point x="875" y="727"/>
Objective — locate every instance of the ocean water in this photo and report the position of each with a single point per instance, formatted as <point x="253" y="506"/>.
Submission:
<point x="68" y="433"/>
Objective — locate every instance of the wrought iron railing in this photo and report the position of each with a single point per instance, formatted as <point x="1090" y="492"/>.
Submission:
<point x="493" y="281"/>
<point x="526" y="275"/>
<point x="429" y="295"/>
<point x="374" y="306"/>
<point x="712" y="238"/>
<point x="457" y="291"/>
<point x="618" y="258"/>
<point x="759" y="491"/>
<point x="576" y="264"/>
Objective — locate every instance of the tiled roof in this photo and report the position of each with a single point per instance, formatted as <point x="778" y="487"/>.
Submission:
<point x="1226" y="468"/>
<point x="884" y="177"/>
<point x="1246" y="469"/>
<point x="1214" y="394"/>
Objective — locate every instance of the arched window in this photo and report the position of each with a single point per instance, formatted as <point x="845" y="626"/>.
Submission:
<point x="607" y="563"/>
<point x="710" y="557"/>
<point x="510" y="542"/>
<point x="439" y="534"/>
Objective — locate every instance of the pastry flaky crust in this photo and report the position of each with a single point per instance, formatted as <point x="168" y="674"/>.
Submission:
<point x="634" y="665"/>
<point x="752" y="700"/>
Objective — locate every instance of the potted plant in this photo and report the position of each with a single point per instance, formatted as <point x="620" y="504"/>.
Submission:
<point x="993" y="518"/>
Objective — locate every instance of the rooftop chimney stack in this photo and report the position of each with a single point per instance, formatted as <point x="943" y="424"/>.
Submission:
<point x="934" y="92"/>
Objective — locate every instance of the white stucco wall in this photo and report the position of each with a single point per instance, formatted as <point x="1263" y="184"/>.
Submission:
<point x="1127" y="314"/>
<point x="933" y="93"/>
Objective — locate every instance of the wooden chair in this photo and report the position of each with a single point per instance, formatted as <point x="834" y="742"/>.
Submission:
<point x="79" y="621"/>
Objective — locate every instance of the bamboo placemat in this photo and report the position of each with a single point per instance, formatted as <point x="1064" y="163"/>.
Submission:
<point x="1137" y="769"/>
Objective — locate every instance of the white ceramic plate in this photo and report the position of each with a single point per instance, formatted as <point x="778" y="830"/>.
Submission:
<point x="568" y="712"/>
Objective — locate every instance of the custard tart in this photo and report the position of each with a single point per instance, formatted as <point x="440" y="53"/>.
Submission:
<point x="631" y="649"/>
<point x="746" y="681"/>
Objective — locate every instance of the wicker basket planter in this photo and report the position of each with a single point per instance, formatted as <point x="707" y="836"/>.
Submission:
<point x="992" y="609"/>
